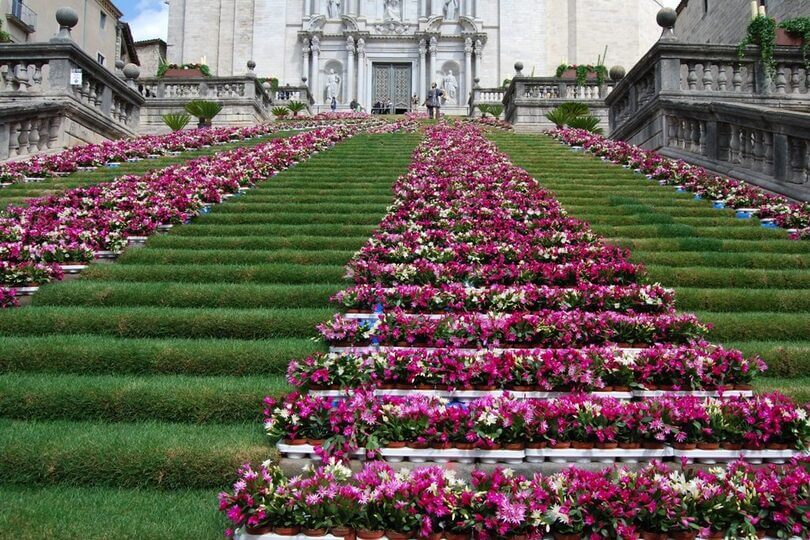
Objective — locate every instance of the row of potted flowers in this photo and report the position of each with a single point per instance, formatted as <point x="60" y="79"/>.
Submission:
<point x="365" y="421"/>
<point x="73" y="226"/>
<point x="653" y="503"/>
<point x="696" y="366"/>
<point x="545" y="328"/>
<point x="732" y="193"/>
<point x="505" y="298"/>
<point x="94" y="155"/>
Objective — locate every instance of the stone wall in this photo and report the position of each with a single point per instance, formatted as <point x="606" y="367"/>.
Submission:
<point x="727" y="20"/>
<point x="150" y="55"/>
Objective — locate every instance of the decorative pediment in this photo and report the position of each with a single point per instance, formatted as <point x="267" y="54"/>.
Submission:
<point x="468" y="24"/>
<point x="434" y="23"/>
<point x="392" y="27"/>
<point x="316" y="23"/>
<point x="350" y="23"/>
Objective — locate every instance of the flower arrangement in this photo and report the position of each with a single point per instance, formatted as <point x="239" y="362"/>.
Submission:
<point x="654" y="501"/>
<point x="8" y="298"/>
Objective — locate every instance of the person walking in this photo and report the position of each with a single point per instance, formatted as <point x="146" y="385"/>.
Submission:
<point x="333" y="105"/>
<point x="434" y="101"/>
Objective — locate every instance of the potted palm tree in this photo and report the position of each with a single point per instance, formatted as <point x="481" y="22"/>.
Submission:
<point x="296" y="107"/>
<point x="205" y="111"/>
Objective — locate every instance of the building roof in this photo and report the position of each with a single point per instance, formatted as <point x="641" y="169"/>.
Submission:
<point x="129" y="44"/>
<point x="109" y="6"/>
<point x="153" y="41"/>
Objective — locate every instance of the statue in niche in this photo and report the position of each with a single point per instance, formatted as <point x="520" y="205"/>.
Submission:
<point x="332" y="85"/>
<point x="392" y="11"/>
<point x="451" y="10"/>
<point x="333" y="9"/>
<point x="450" y="87"/>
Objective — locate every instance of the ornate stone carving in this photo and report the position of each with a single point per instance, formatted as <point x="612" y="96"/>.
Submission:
<point x="316" y="44"/>
<point x="434" y="45"/>
<point x="468" y="46"/>
<point x="361" y="47"/>
<point x="451" y="10"/>
<point x="392" y="10"/>
<point x="333" y="81"/>
<point x="350" y="46"/>
<point x="333" y="9"/>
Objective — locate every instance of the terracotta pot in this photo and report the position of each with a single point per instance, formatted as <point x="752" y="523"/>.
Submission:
<point x="716" y="535"/>
<point x="393" y="535"/>
<point x="777" y="446"/>
<point x="572" y="74"/>
<point x="518" y="537"/>
<point x="402" y="344"/>
<point x="403" y="386"/>
<point x="435" y="536"/>
<point x="295" y="442"/>
<point x="607" y="445"/>
<point x="315" y="532"/>
<point x="387" y="386"/>
<point x="630" y="446"/>
<point x="317" y="387"/>
<point x="683" y="535"/>
<point x="605" y="389"/>
<point x="287" y="531"/>
<point x="743" y="387"/>
<point x="539" y="445"/>
<point x="621" y="388"/>
<point x="786" y="39"/>
<point x="316" y="442"/>
<point x="731" y="446"/>
<point x="417" y="445"/>
<point x="514" y="446"/>
<point x="651" y="387"/>
<point x="464" y="445"/>
<point x="395" y="444"/>
<point x="342" y="532"/>
<point x="521" y="388"/>
<point x="648" y="535"/>
<point x="263" y="529"/>
<point x="561" y="445"/>
<point x="485" y="387"/>
<point x="441" y="445"/>
<point x="652" y="445"/>
<point x="684" y="446"/>
<point x="580" y="445"/>
<point x="369" y="535"/>
<point x="457" y="536"/>
<point x="425" y="387"/>
<point x="708" y="446"/>
<point x="179" y="73"/>
<point x="561" y="536"/>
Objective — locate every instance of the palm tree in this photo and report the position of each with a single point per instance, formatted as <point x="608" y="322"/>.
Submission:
<point x="204" y="110"/>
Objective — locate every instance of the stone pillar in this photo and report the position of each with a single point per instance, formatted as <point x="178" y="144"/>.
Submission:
<point x="305" y="59"/>
<point x="468" y="69"/>
<point x="317" y="91"/>
<point x="307" y="8"/>
<point x="422" y="70"/>
<point x="350" y="92"/>
<point x="434" y="49"/>
<point x="361" y="73"/>
<point x="435" y="7"/>
<point x="423" y="8"/>
<point x="479" y="52"/>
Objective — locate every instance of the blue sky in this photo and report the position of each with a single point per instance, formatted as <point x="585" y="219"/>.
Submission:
<point x="147" y="18"/>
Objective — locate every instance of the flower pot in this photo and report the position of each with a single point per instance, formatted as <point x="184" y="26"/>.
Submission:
<point x="316" y="442"/>
<point x="683" y="535"/>
<point x="440" y="445"/>
<point x="395" y="444"/>
<point x="607" y="445"/>
<point x="342" y="532"/>
<point x="572" y="74"/>
<point x="485" y="387"/>
<point x="287" y="531"/>
<point x="518" y="537"/>
<point x="745" y="387"/>
<point x="417" y="445"/>
<point x="684" y="446"/>
<point x="369" y="535"/>
<point x="572" y="536"/>
<point x="435" y="536"/>
<point x="605" y="389"/>
<point x="261" y="529"/>
<point x="708" y="446"/>
<point x="580" y="445"/>
<point x="457" y="536"/>
<point x="649" y="535"/>
<point x="425" y="387"/>
<point x="786" y="39"/>
<point x="521" y="388"/>
<point x="621" y="388"/>
<point x="464" y="445"/>
<point x="514" y="446"/>
<point x="181" y="73"/>
<point x="652" y="445"/>
<point x="315" y="532"/>
<point x="561" y="445"/>
<point x="716" y="535"/>
<point x="630" y="445"/>
<point x="393" y="535"/>
<point x="777" y="446"/>
<point x="539" y="445"/>
<point x="731" y="446"/>
<point x="295" y="442"/>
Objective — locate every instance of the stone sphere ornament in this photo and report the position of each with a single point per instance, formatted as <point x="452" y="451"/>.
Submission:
<point x="617" y="73"/>
<point x="519" y="67"/>
<point x="67" y="17"/>
<point x="251" y="64"/>
<point x="119" y="64"/>
<point x="131" y="71"/>
<point x="666" y="18"/>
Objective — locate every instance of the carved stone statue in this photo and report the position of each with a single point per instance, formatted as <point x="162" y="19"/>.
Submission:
<point x="332" y="85"/>
<point x="450" y="87"/>
<point x="450" y="9"/>
<point x="392" y="11"/>
<point x="333" y="9"/>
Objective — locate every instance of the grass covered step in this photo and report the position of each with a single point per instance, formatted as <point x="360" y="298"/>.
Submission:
<point x="735" y="300"/>
<point x="712" y="244"/>
<point x="96" y="355"/>
<point x="218" y="273"/>
<point x="699" y="276"/>
<point x="185" y="295"/>
<point x="134" y="455"/>
<point x="233" y="256"/>
<point x="797" y="388"/>
<point x="117" y="398"/>
<point x="754" y="325"/>
<point x="33" y="513"/>
<point x="256" y="244"/>
<point x="307" y="229"/>
<point x="147" y="322"/>
<point x="784" y="358"/>
<point x="290" y="218"/>
<point x="725" y="260"/>
<point x="308" y="208"/>
<point x="265" y="198"/>
<point x="732" y="230"/>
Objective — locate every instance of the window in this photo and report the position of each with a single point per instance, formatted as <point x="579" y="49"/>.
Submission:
<point x="100" y="58"/>
<point x="705" y="6"/>
<point x="102" y="20"/>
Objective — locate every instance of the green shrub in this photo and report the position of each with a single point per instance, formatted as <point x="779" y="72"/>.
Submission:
<point x="296" y="107"/>
<point x="204" y="110"/>
<point x="176" y="121"/>
<point x="280" y="112"/>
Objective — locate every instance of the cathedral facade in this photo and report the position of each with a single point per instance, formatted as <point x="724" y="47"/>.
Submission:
<point x="393" y="50"/>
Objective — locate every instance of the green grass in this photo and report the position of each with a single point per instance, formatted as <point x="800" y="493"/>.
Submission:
<point x="751" y="283"/>
<point x="218" y="273"/>
<point x="80" y="513"/>
<point x="233" y="257"/>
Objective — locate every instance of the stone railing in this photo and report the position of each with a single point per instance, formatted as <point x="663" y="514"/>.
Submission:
<point x="36" y="76"/>
<point x="284" y="95"/>
<point x="244" y="100"/>
<point x="528" y="99"/>
<point x="706" y="102"/>
<point x="485" y="96"/>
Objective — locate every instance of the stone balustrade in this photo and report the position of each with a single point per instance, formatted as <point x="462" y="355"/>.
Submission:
<point x="485" y="96"/>
<point x="708" y="105"/>
<point x="40" y="109"/>
<point x="244" y="100"/>
<point x="528" y="99"/>
<point x="284" y="95"/>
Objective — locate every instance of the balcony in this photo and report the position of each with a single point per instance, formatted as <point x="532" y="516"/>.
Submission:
<point x="23" y="16"/>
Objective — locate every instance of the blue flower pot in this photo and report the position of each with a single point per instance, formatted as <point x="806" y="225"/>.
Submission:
<point x="698" y="197"/>
<point x="718" y="204"/>
<point x="743" y="215"/>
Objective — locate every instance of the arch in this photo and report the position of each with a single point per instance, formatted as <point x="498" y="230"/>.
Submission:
<point x="349" y="23"/>
<point x="317" y="23"/>
<point x="468" y="24"/>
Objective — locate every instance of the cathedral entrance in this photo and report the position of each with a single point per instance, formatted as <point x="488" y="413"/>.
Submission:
<point x="391" y="88"/>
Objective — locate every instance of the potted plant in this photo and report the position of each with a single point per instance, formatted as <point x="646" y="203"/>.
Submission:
<point x="296" y="107"/>
<point x="798" y="31"/>
<point x="204" y="110"/>
<point x="176" y="121"/>
<point x="762" y="32"/>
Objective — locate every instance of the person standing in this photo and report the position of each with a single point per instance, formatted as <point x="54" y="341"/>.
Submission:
<point x="333" y="105"/>
<point x="434" y="101"/>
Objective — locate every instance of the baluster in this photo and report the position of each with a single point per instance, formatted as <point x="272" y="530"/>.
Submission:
<point x="759" y="151"/>
<point x="692" y="78"/>
<point x="781" y="80"/>
<point x="737" y="79"/>
<point x="25" y="130"/>
<point x="708" y="77"/>
<point x="672" y="132"/>
<point x="805" y="177"/>
<point x="683" y="134"/>
<point x="14" y="138"/>
<point x="85" y="90"/>
<point x="748" y="158"/>
<point x="768" y="159"/>
<point x="33" y="136"/>
<point x="54" y="131"/>
<point x="795" y="87"/>
<point x="695" y="137"/>
<point x="734" y="145"/>
<point x="722" y="78"/>
<point x="702" y="139"/>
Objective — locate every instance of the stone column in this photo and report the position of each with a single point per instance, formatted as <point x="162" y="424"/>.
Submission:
<point x="361" y="73"/>
<point x="307" y="8"/>
<point x="435" y="7"/>
<point x="423" y="11"/>
<point x="305" y="58"/>
<point x="468" y="74"/>
<point x="317" y="91"/>
<point x="350" y="92"/>
<point x="434" y="49"/>
<point x="479" y="52"/>
<point x="422" y="70"/>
